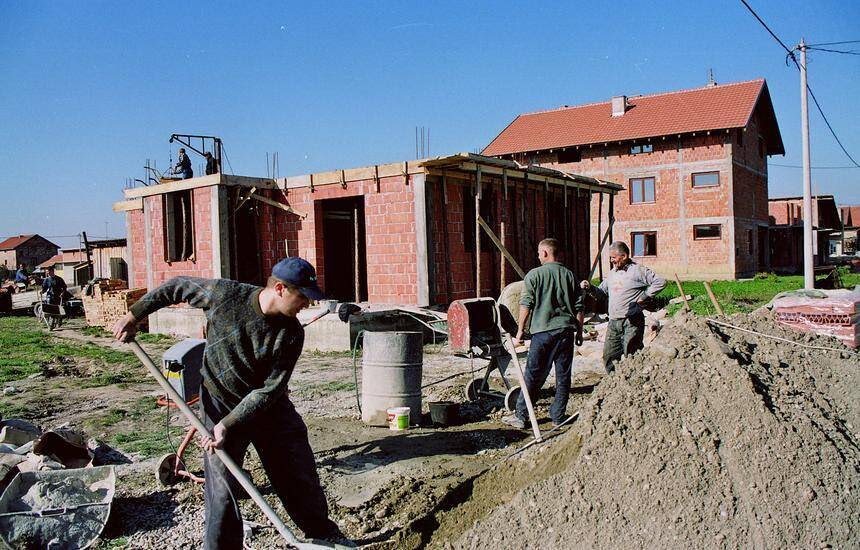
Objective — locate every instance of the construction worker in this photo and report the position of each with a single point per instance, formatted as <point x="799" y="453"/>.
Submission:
<point x="182" y="170"/>
<point x="628" y="285"/>
<point x="555" y="302"/>
<point x="211" y="164"/>
<point x="54" y="287"/>
<point x="253" y="342"/>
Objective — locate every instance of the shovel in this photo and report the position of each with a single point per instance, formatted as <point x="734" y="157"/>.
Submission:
<point x="237" y="472"/>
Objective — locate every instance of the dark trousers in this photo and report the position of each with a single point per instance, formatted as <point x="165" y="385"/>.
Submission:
<point x="553" y="347"/>
<point x="623" y="337"/>
<point x="281" y="440"/>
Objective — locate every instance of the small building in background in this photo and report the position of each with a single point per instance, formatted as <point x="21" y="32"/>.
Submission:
<point x="29" y="250"/>
<point x="108" y="259"/>
<point x="786" y="232"/>
<point x="850" y="217"/>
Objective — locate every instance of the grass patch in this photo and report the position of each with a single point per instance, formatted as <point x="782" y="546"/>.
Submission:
<point x="26" y="347"/>
<point x="138" y="410"/>
<point x="143" y="337"/>
<point x="149" y="435"/>
<point x="10" y="409"/>
<point x="149" y="443"/>
<point x="330" y="354"/>
<point x="327" y="388"/>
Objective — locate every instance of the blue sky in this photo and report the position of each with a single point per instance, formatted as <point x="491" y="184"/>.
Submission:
<point x="89" y="90"/>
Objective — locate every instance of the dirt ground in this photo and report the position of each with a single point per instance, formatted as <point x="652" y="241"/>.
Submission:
<point x="384" y="488"/>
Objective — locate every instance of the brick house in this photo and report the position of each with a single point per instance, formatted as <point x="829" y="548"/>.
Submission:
<point x="401" y="233"/>
<point x="850" y="217"/>
<point x="786" y="232"/>
<point x="29" y="250"/>
<point x="693" y="164"/>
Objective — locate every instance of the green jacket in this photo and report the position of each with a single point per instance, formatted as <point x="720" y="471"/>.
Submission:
<point x="552" y="294"/>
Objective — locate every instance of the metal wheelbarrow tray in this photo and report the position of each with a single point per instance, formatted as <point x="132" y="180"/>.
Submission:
<point x="56" y="509"/>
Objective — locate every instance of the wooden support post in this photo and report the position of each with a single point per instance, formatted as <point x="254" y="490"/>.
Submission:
<point x="713" y="299"/>
<point x="681" y="290"/>
<point x="89" y="258"/>
<point x="597" y="258"/>
<point x="478" y="233"/>
<point x="483" y="225"/>
<point x="611" y="217"/>
<point x="502" y="258"/>
<point x="376" y="176"/>
<point x="356" y="257"/>
<point x="599" y="227"/>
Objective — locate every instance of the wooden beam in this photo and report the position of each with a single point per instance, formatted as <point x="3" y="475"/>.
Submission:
<point x="126" y="206"/>
<point x="202" y="181"/>
<point x="501" y="247"/>
<point x="713" y="299"/>
<point x="478" y="233"/>
<point x="276" y="204"/>
<point x="600" y="251"/>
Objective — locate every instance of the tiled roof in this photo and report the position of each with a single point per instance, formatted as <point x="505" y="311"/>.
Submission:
<point x="850" y="215"/>
<point x="14" y="242"/>
<point x="51" y="261"/>
<point x="710" y="108"/>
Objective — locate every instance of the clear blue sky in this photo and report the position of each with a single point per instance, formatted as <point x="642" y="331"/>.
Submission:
<point x="89" y="90"/>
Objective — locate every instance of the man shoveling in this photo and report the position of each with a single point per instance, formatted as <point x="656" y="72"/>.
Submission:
<point x="253" y="342"/>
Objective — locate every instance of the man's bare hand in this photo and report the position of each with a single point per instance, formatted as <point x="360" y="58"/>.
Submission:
<point x="125" y="328"/>
<point x="518" y="339"/>
<point x="584" y="285"/>
<point x="218" y="432"/>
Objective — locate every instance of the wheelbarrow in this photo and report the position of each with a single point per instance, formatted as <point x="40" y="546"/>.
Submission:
<point x="56" y="509"/>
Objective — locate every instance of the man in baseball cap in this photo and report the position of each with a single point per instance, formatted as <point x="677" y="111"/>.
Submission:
<point x="253" y="341"/>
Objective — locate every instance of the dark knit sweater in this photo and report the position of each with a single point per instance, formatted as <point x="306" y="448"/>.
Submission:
<point x="249" y="356"/>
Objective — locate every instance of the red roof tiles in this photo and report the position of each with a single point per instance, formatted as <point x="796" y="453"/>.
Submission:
<point x="14" y="242"/>
<point x="709" y="108"/>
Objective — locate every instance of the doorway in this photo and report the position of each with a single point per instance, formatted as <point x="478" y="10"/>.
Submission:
<point x="344" y="253"/>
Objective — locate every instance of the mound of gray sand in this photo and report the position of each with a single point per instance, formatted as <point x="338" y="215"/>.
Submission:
<point x="711" y="438"/>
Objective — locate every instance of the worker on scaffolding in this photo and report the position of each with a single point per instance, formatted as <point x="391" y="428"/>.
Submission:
<point x="211" y="164"/>
<point x="253" y="343"/>
<point x="182" y="169"/>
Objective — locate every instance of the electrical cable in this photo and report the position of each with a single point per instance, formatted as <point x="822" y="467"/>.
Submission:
<point x="790" y="54"/>
<point x="835" y="43"/>
<point x="813" y="167"/>
<point x="847" y="52"/>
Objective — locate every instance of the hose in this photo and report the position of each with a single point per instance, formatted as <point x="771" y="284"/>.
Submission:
<point x="355" y="371"/>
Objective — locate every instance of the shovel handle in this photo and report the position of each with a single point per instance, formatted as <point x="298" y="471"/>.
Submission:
<point x="234" y="468"/>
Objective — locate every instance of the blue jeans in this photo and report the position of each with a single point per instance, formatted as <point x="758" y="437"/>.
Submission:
<point x="281" y="439"/>
<point x="548" y="348"/>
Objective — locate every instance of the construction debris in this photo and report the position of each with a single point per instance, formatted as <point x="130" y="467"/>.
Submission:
<point x="826" y="312"/>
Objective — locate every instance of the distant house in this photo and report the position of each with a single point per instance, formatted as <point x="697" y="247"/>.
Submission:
<point x="850" y="216"/>
<point x="693" y="164"/>
<point x="786" y="232"/>
<point x="29" y="250"/>
<point x="108" y="262"/>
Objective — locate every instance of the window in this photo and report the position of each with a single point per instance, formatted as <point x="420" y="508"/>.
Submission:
<point x="178" y="226"/>
<point x="642" y="190"/>
<point x="706" y="179"/>
<point x="701" y="232"/>
<point x="644" y="243"/>
<point x="644" y="148"/>
<point x="570" y="155"/>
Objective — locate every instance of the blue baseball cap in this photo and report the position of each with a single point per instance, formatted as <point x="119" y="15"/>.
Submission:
<point x="300" y="273"/>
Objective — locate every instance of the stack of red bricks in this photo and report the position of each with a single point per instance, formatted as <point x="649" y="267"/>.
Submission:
<point x="837" y="315"/>
<point x="110" y="300"/>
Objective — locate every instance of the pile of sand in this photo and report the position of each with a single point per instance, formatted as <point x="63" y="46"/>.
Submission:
<point x="687" y="446"/>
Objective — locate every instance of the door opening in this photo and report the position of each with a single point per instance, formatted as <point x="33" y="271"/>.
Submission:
<point x="344" y="254"/>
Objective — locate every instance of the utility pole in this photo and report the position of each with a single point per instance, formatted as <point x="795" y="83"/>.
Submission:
<point x="808" y="269"/>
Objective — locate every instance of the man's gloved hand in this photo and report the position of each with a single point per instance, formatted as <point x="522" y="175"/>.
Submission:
<point x="578" y="339"/>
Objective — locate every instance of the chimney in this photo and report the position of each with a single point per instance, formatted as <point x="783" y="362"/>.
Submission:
<point x="619" y="105"/>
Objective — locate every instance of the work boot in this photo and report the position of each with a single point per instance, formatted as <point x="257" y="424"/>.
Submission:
<point x="515" y="421"/>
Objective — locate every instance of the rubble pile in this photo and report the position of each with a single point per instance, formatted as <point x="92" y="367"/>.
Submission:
<point x="709" y="438"/>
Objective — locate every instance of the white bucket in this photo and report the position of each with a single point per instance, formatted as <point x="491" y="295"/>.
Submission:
<point x="398" y="418"/>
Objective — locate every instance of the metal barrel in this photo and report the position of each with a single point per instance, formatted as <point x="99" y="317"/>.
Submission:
<point x="391" y="375"/>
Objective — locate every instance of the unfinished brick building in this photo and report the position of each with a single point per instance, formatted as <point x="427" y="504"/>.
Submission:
<point x="786" y="232"/>
<point x="693" y="164"/>
<point x="402" y="233"/>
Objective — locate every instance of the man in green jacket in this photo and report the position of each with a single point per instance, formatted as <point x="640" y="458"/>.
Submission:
<point x="554" y="300"/>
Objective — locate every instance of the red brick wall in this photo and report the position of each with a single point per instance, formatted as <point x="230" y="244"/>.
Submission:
<point x="200" y="266"/>
<point x="137" y="248"/>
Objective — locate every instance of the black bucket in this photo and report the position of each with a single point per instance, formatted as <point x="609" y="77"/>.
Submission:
<point x="444" y="413"/>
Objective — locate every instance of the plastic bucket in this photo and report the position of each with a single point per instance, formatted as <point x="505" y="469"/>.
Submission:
<point x="398" y="418"/>
<point x="444" y="413"/>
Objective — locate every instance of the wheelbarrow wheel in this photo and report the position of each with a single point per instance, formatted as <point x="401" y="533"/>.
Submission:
<point x="164" y="470"/>
<point x="511" y="399"/>
<point x="474" y="389"/>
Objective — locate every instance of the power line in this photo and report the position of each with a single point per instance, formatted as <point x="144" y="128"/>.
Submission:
<point x="846" y="52"/>
<point x="813" y="167"/>
<point x="808" y="88"/>
<point x="835" y="43"/>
